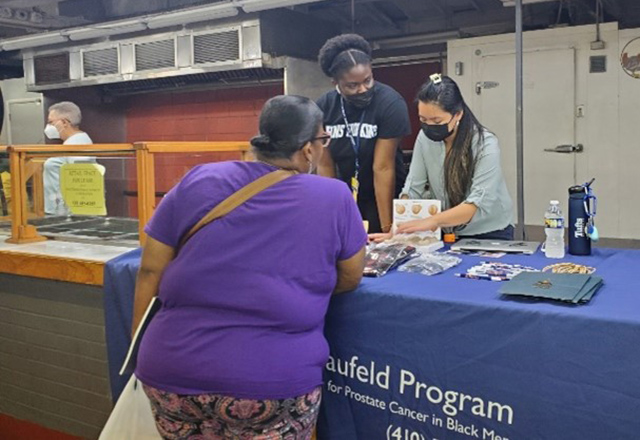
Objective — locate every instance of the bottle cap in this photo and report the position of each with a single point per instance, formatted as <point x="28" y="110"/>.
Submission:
<point x="449" y="238"/>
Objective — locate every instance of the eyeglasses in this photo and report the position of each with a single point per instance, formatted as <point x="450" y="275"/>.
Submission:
<point x="325" y="138"/>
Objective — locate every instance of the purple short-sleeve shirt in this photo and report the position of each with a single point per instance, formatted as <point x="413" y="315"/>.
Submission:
<point x="245" y="299"/>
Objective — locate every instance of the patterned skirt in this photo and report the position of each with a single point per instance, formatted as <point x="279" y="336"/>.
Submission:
<point x="217" y="417"/>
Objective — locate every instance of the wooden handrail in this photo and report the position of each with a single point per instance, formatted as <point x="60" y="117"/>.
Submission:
<point x="96" y="150"/>
<point x="92" y="148"/>
<point x="21" y="231"/>
<point x="193" y="147"/>
<point x="26" y="162"/>
<point x="144" y="152"/>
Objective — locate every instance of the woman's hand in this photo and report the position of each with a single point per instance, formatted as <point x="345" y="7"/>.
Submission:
<point x="380" y="237"/>
<point x="427" y="224"/>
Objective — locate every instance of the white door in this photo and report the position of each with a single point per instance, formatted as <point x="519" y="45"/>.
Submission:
<point x="26" y="121"/>
<point x="549" y="121"/>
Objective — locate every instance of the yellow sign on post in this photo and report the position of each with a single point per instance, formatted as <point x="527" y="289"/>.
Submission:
<point x="82" y="187"/>
<point x="5" y="179"/>
<point x="6" y="183"/>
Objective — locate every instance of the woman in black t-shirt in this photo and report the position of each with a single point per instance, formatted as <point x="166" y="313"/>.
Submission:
<point x="366" y="120"/>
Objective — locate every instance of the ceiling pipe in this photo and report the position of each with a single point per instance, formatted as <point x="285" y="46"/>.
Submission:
<point x="228" y="8"/>
<point x="415" y="40"/>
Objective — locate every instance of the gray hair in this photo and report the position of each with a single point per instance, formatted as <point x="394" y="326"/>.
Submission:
<point x="69" y="111"/>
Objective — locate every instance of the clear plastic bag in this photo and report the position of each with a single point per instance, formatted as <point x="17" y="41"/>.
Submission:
<point x="381" y="258"/>
<point x="430" y="264"/>
<point x="131" y="418"/>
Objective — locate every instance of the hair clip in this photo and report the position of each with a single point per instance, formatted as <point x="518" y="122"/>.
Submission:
<point x="436" y="78"/>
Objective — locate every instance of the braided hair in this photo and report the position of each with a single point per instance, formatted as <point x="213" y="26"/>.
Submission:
<point x="340" y="54"/>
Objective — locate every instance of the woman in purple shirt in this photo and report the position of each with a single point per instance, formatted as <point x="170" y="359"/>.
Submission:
<point x="237" y="349"/>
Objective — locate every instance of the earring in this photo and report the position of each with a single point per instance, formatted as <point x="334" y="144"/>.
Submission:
<point x="310" y="167"/>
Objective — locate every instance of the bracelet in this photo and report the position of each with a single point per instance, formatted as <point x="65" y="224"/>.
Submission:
<point x="386" y="228"/>
<point x="569" y="268"/>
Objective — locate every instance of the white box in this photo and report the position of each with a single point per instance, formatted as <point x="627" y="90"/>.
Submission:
<point x="405" y="210"/>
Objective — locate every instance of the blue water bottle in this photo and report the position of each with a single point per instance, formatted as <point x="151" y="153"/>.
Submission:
<point x="582" y="211"/>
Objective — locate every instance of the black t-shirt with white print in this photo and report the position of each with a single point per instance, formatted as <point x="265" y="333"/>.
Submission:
<point x="386" y="117"/>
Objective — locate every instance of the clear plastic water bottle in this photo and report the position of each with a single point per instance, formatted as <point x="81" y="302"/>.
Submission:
<point x="554" y="229"/>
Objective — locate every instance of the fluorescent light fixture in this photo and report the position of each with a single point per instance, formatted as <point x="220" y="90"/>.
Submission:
<point x="415" y="40"/>
<point x="262" y="5"/>
<point x="191" y="15"/>
<point x="524" y="2"/>
<point x="43" y="39"/>
<point x="104" y="30"/>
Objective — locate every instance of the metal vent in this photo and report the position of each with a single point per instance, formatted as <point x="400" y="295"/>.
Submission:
<point x="259" y="76"/>
<point x="598" y="64"/>
<point x="155" y="55"/>
<point x="100" y="62"/>
<point x="216" y="48"/>
<point x="51" y="69"/>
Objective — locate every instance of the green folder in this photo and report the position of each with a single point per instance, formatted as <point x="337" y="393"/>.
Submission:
<point x="573" y="288"/>
<point x="590" y="289"/>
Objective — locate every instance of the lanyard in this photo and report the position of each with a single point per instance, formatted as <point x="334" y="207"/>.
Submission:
<point x="355" y="144"/>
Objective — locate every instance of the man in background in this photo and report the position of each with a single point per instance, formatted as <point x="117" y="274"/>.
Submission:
<point x="63" y="123"/>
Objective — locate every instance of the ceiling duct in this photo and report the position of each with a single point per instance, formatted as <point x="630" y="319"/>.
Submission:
<point x="196" y="81"/>
<point x="263" y="5"/>
<point x="218" y="10"/>
<point x="51" y="69"/>
<point x="33" y="40"/>
<point x="415" y="40"/>
<point x="100" y="62"/>
<point x="192" y="15"/>
<point x="104" y="30"/>
<point x="216" y="47"/>
<point x="155" y="55"/>
<point x="524" y="2"/>
<point x="244" y="49"/>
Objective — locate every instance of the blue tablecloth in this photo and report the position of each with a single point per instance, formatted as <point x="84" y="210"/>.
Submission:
<point x="119" y="284"/>
<point x="440" y="357"/>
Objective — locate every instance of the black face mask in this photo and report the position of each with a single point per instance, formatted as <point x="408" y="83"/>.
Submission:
<point x="361" y="100"/>
<point x="437" y="132"/>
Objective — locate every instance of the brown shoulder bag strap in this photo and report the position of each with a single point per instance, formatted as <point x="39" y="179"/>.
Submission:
<point x="238" y="198"/>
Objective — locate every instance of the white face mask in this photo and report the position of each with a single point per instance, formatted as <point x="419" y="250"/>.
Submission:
<point x="51" y="132"/>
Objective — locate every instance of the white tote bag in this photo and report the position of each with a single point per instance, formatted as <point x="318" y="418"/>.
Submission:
<point x="131" y="418"/>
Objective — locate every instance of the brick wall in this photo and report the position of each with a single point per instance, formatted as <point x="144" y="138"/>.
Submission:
<point x="407" y="81"/>
<point x="215" y="115"/>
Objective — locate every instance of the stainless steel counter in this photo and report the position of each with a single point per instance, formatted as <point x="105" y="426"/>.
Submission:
<point x="115" y="231"/>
